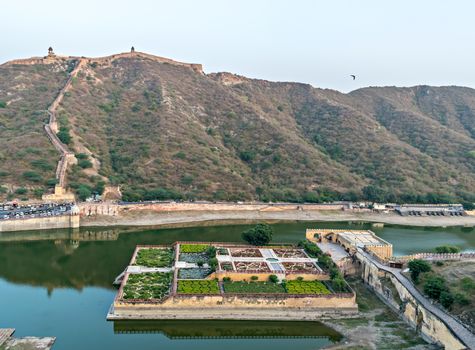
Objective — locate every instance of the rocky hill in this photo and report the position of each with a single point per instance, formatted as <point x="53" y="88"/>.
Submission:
<point x="162" y="129"/>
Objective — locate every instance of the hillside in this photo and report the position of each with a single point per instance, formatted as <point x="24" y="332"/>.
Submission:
<point x="165" y="130"/>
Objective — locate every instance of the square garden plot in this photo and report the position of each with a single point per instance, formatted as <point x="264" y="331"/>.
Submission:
<point x="222" y="251"/>
<point x="193" y="274"/>
<point x="154" y="257"/>
<point x="226" y="266"/>
<point x="251" y="266"/>
<point x="246" y="252"/>
<point x="198" y="287"/>
<point x="300" y="266"/>
<point x="147" y="286"/>
<point x="289" y="253"/>
<point x="193" y="257"/>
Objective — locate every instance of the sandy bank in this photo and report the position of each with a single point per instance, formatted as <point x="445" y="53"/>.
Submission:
<point x="153" y="218"/>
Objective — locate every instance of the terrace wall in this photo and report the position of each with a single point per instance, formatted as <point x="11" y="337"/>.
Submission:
<point x="264" y="276"/>
<point x="258" y="306"/>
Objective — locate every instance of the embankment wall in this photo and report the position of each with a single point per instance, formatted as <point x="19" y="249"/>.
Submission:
<point x="112" y="209"/>
<point x="43" y="223"/>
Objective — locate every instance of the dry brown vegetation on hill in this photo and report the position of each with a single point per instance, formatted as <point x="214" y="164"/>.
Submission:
<point x="165" y="131"/>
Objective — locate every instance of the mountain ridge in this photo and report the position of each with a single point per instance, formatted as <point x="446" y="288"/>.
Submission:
<point x="164" y="130"/>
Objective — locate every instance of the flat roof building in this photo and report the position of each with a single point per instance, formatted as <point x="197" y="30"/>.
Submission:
<point x="430" y="209"/>
<point x="350" y="240"/>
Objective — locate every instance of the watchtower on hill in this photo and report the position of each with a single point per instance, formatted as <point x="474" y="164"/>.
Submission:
<point x="132" y="49"/>
<point x="51" y="52"/>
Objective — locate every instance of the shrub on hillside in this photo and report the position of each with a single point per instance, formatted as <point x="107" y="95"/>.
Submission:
<point x="32" y="176"/>
<point x="85" y="163"/>
<point x="63" y="135"/>
<point x="42" y="164"/>
<point x="434" y="286"/>
<point x="21" y="191"/>
<point x="446" y="299"/>
<point x="81" y="156"/>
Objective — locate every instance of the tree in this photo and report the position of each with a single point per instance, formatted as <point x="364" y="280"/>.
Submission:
<point x="273" y="278"/>
<point x="325" y="261"/>
<point x="374" y="193"/>
<point x="84" y="192"/>
<point x="260" y="234"/>
<point x="213" y="263"/>
<point x="434" y="286"/>
<point x="416" y="267"/>
<point x="211" y="252"/>
<point x="339" y="284"/>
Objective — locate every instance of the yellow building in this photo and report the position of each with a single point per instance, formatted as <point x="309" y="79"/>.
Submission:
<point x="350" y="240"/>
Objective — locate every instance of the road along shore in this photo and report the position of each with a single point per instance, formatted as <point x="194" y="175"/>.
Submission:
<point x="158" y="218"/>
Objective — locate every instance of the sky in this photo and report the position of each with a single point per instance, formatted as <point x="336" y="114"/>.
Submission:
<point x="382" y="42"/>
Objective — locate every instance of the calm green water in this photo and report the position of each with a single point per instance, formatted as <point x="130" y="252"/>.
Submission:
<point x="58" y="283"/>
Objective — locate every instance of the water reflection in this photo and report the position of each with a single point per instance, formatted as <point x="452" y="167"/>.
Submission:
<point x="229" y="329"/>
<point x="95" y="256"/>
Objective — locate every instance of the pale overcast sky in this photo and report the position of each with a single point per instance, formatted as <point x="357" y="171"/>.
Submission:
<point x="399" y="42"/>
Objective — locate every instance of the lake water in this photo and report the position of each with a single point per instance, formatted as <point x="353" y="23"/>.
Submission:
<point x="58" y="283"/>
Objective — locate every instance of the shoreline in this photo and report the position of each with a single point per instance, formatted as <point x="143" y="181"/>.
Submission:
<point x="154" y="218"/>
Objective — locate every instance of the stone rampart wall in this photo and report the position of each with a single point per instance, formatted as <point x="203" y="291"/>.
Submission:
<point x="395" y="294"/>
<point x="435" y="257"/>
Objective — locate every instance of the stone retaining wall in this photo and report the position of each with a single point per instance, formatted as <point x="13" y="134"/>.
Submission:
<point x="42" y="223"/>
<point x="239" y="307"/>
<point x="113" y="209"/>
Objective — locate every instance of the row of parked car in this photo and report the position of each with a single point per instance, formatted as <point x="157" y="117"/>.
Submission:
<point x="15" y="211"/>
<point x="435" y="213"/>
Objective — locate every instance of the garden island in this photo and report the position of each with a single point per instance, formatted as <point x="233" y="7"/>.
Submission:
<point x="209" y="280"/>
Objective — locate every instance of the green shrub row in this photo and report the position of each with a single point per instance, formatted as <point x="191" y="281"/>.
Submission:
<point x="198" y="287"/>
<point x="306" y="287"/>
<point x="193" y="248"/>
<point x="253" y="287"/>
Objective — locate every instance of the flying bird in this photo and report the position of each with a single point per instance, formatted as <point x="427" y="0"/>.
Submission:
<point x="353" y="76"/>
